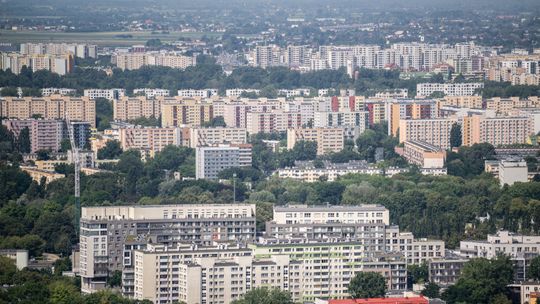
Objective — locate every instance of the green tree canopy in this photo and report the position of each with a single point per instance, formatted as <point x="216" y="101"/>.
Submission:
<point x="263" y="295"/>
<point x="367" y="285"/>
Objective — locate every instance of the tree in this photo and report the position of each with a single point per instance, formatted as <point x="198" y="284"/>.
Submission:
<point x="112" y="150"/>
<point x="367" y="285"/>
<point x="104" y="113"/>
<point x="115" y="279"/>
<point x="43" y="154"/>
<point x="418" y="273"/>
<point x="217" y="121"/>
<point x="65" y="145"/>
<point x="305" y="150"/>
<point x="482" y="281"/>
<point x="7" y="270"/>
<point x="24" y="141"/>
<point x="455" y="135"/>
<point x="534" y="270"/>
<point x="263" y="295"/>
<point x="431" y="290"/>
<point x="64" y="293"/>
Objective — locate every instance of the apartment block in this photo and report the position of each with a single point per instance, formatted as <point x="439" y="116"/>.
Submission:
<point x="376" y="111"/>
<point x="19" y="257"/>
<point x="215" y="136"/>
<point x="450" y="89"/>
<point x="235" y="113"/>
<point x="512" y="171"/>
<point x="409" y="109"/>
<point x="151" y="139"/>
<point x="424" y="154"/>
<point x="110" y="94"/>
<point x="46" y="92"/>
<point x="176" y="112"/>
<point x="365" y="222"/>
<point x="109" y="235"/>
<point x="503" y="242"/>
<point x="415" y="251"/>
<point x="210" y="161"/>
<point x="471" y="102"/>
<point x="39" y="175"/>
<point x="44" y="134"/>
<point x="190" y="93"/>
<point x="273" y="121"/>
<point x="353" y="123"/>
<point x="435" y="132"/>
<point x="151" y="93"/>
<point x="238" y="92"/>
<point x="329" y="140"/>
<point x="59" y="64"/>
<point x="77" y="50"/>
<point x="446" y="271"/>
<point x="52" y="107"/>
<point x="134" y="61"/>
<point x="129" y="108"/>
<point x="501" y="130"/>
<point x="323" y="269"/>
<point x="219" y="273"/>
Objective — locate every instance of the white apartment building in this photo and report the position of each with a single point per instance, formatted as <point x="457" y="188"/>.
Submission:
<point x="219" y="273"/>
<point x="238" y="92"/>
<point x="214" y="136"/>
<point x="353" y="123"/>
<point x="303" y="214"/>
<point x="46" y="92"/>
<point x="110" y="94"/>
<point x="77" y="50"/>
<point x="511" y="172"/>
<point x="152" y="93"/>
<point x="503" y="242"/>
<point x="210" y="161"/>
<point x="416" y="251"/>
<point x="205" y="93"/>
<point x="451" y="89"/>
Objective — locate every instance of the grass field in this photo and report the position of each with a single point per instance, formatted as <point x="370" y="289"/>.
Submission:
<point x="99" y="38"/>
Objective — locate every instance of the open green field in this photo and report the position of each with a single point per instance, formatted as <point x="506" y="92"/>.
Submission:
<point x="99" y="38"/>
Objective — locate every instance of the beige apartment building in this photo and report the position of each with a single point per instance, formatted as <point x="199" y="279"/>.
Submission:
<point x="272" y="121"/>
<point x="433" y="131"/>
<point x="504" y="106"/>
<point x="133" y="61"/>
<point x="176" y="112"/>
<point x="129" y="108"/>
<point x="328" y="140"/>
<point x="503" y="130"/>
<point x="52" y="107"/>
<point x="37" y="174"/>
<point x="214" y="274"/>
<point x="152" y="139"/>
<point x="472" y="102"/>
<point x="424" y="154"/>
<point x="215" y="136"/>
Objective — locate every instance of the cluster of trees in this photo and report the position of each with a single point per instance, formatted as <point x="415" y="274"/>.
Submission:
<point x="32" y="286"/>
<point x="208" y="74"/>
<point x="428" y="206"/>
